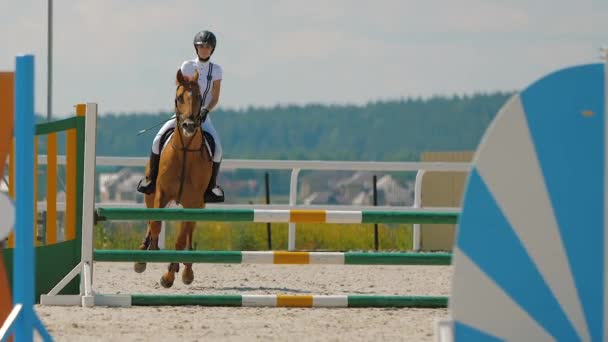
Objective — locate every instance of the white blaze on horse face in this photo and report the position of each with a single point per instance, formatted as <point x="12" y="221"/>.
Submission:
<point x="187" y="102"/>
<point x="188" y="127"/>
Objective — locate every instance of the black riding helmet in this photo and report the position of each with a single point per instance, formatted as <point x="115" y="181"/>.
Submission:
<point x="205" y="37"/>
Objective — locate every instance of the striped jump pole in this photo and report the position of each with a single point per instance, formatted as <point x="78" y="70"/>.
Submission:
<point x="278" y="215"/>
<point x="268" y="300"/>
<point x="302" y="301"/>
<point x="274" y="257"/>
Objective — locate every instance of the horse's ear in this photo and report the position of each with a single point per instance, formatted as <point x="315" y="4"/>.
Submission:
<point x="179" y="78"/>
<point x="195" y="76"/>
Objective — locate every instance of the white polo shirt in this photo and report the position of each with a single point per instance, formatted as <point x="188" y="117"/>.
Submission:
<point x="188" y="68"/>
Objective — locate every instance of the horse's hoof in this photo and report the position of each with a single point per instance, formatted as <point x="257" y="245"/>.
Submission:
<point x="188" y="276"/>
<point x="165" y="283"/>
<point x="139" y="267"/>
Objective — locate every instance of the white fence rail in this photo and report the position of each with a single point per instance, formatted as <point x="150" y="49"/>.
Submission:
<point x="295" y="166"/>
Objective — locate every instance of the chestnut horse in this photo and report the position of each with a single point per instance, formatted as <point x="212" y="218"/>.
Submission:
<point x="183" y="174"/>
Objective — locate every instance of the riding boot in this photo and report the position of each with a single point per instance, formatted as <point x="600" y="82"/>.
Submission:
<point x="147" y="185"/>
<point x="214" y="193"/>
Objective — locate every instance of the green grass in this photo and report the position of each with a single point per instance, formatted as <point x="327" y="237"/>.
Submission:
<point x="253" y="236"/>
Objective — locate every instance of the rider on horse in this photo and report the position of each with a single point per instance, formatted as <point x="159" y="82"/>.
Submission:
<point x="210" y="78"/>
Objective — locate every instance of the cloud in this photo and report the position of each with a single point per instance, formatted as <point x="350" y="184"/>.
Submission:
<point x="123" y="54"/>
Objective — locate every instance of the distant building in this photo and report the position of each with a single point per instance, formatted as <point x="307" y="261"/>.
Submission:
<point x="357" y="189"/>
<point x="120" y="186"/>
<point x="389" y="192"/>
<point x="322" y="197"/>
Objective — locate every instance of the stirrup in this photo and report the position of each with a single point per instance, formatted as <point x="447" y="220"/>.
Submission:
<point x="146" y="186"/>
<point x="215" y="195"/>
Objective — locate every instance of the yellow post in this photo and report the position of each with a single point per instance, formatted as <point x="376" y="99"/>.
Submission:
<point x="51" y="189"/>
<point x="70" y="186"/>
<point x="70" y="191"/>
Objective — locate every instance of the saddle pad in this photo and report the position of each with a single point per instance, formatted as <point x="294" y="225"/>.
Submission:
<point x="209" y="141"/>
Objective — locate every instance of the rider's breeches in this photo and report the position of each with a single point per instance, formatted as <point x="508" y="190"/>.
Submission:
<point x="207" y="127"/>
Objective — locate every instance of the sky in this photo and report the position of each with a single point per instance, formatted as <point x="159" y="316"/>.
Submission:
<point x="124" y="54"/>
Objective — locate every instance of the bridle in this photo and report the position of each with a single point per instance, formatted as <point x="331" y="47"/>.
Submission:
<point x="192" y="88"/>
<point x="195" y="116"/>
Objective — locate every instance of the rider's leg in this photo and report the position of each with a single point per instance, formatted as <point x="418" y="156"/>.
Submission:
<point x="214" y="193"/>
<point x="147" y="185"/>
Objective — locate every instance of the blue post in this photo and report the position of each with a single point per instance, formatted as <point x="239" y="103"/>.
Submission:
<point x="23" y="264"/>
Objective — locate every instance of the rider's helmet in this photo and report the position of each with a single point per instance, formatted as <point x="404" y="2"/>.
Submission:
<point x="205" y="37"/>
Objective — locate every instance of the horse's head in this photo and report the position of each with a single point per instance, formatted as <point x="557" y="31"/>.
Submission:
<point x="188" y="103"/>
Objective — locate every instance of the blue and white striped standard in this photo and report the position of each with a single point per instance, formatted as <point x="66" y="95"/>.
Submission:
<point x="530" y="254"/>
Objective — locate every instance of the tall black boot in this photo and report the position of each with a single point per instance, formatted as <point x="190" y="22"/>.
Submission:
<point x="147" y="185"/>
<point x="214" y="193"/>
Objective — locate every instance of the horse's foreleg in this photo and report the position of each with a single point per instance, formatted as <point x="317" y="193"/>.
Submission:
<point x="185" y="232"/>
<point x="182" y="240"/>
<point x="155" y="228"/>
<point x="139" y="267"/>
<point x="150" y="242"/>
<point x="195" y="200"/>
<point x="145" y="244"/>
<point x="186" y="243"/>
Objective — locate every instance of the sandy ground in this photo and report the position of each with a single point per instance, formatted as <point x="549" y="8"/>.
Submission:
<point x="189" y="323"/>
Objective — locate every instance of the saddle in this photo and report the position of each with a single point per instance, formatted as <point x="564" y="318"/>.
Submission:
<point x="209" y="141"/>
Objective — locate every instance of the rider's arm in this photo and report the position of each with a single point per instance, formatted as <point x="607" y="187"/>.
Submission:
<point x="215" y="91"/>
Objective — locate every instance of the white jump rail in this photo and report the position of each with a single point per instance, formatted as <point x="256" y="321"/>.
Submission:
<point x="87" y="297"/>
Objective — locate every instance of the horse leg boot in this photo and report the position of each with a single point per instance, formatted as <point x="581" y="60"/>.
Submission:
<point x="147" y="185"/>
<point x="150" y="242"/>
<point x="140" y="267"/>
<point x="214" y="193"/>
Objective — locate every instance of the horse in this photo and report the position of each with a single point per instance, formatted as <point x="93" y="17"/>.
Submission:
<point x="184" y="173"/>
